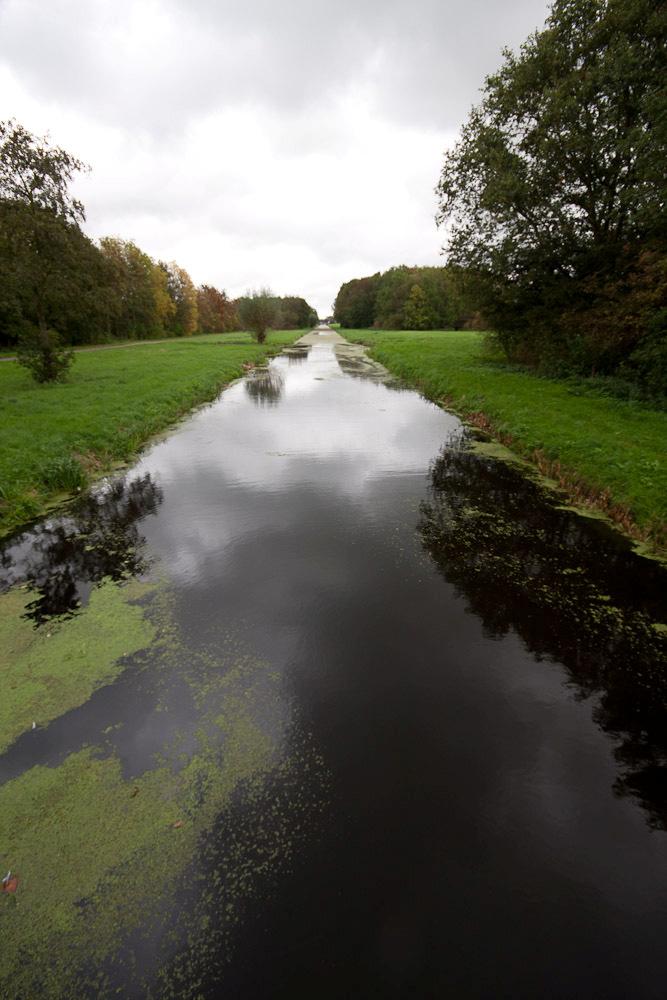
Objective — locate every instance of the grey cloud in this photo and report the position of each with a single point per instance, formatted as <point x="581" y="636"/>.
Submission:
<point x="156" y="65"/>
<point x="287" y="142"/>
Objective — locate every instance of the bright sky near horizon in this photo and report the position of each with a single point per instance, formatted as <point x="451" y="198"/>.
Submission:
<point x="293" y="144"/>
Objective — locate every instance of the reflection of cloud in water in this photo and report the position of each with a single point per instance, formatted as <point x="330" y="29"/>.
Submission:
<point x="326" y="432"/>
<point x="362" y="427"/>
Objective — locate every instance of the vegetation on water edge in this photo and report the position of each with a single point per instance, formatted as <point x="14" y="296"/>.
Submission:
<point x="55" y="438"/>
<point x="605" y="452"/>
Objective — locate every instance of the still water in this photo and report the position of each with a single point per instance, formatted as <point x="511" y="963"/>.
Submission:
<point x="459" y="688"/>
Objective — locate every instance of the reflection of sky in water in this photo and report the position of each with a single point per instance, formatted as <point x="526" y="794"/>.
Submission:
<point x="426" y="616"/>
<point x="327" y="432"/>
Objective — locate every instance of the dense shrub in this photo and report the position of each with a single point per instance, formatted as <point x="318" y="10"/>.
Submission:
<point x="43" y="353"/>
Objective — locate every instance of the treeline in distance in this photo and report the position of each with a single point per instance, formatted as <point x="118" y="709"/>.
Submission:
<point x="407" y="298"/>
<point x="52" y="276"/>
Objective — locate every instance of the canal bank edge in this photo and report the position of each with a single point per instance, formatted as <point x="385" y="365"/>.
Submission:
<point x="22" y="503"/>
<point x="568" y="490"/>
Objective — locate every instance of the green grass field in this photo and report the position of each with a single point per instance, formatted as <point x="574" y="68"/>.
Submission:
<point x="55" y="438"/>
<point x="608" y="452"/>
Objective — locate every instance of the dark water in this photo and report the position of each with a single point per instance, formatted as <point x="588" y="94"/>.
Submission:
<point x="477" y="673"/>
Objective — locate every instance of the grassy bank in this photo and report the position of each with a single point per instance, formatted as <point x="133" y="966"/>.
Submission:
<point x="607" y="453"/>
<point x="56" y="438"/>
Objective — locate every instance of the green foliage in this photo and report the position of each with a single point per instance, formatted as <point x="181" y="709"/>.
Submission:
<point x="416" y="313"/>
<point x="606" y="443"/>
<point x="556" y="191"/>
<point x="294" y="313"/>
<point x="258" y="312"/>
<point x="442" y="300"/>
<point x="648" y="362"/>
<point x="355" y="302"/>
<point x="53" y="276"/>
<point x="36" y="174"/>
<point x="44" y="355"/>
<point x="47" y="265"/>
<point x="290" y="312"/>
<point x="139" y="299"/>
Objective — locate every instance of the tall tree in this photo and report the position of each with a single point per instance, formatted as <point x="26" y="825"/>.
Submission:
<point x="354" y="307"/>
<point x="42" y="250"/>
<point x="140" y="303"/>
<point x="215" y="312"/>
<point x="557" y="185"/>
<point x="183" y="294"/>
<point x="416" y="315"/>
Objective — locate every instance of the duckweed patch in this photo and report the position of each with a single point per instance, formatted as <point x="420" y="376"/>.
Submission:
<point x="50" y="670"/>
<point x="108" y="859"/>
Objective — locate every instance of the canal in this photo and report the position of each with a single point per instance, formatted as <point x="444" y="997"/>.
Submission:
<point x="324" y="698"/>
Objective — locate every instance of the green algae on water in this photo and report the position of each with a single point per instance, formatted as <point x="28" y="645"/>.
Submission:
<point x="104" y="857"/>
<point x="50" y="670"/>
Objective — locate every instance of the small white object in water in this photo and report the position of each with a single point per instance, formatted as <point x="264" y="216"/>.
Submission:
<point x="34" y="724"/>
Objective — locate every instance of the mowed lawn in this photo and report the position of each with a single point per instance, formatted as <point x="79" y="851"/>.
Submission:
<point x="111" y="403"/>
<point x="600" y="443"/>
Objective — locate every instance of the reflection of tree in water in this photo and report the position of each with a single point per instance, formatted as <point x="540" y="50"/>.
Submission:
<point x="572" y="592"/>
<point x="63" y="559"/>
<point x="296" y="355"/>
<point x="265" y="386"/>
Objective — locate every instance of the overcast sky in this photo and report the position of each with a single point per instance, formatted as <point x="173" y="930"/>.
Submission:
<point x="288" y="143"/>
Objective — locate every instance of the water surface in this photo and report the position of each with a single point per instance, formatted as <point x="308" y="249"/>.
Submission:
<point x="459" y="691"/>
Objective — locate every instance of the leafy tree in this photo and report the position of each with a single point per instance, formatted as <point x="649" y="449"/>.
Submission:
<point x="557" y="186"/>
<point x="417" y="315"/>
<point x="215" y="312"/>
<point x="384" y="300"/>
<point x="40" y="240"/>
<point x="354" y="307"/>
<point x="36" y="174"/>
<point x="183" y="294"/>
<point x="139" y="301"/>
<point x="393" y="289"/>
<point x="69" y="287"/>
<point x="294" y="313"/>
<point x="258" y="312"/>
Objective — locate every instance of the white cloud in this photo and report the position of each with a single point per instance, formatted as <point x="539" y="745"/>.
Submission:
<point x="295" y="144"/>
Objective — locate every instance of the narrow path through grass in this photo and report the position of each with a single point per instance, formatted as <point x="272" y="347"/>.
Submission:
<point x="55" y="438"/>
<point x="607" y="453"/>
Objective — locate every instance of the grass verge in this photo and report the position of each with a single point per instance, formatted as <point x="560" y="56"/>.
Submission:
<point x="54" y="439"/>
<point x="607" y="454"/>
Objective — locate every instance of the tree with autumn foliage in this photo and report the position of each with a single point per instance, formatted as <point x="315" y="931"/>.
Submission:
<point x="215" y="312"/>
<point x="183" y="294"/>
